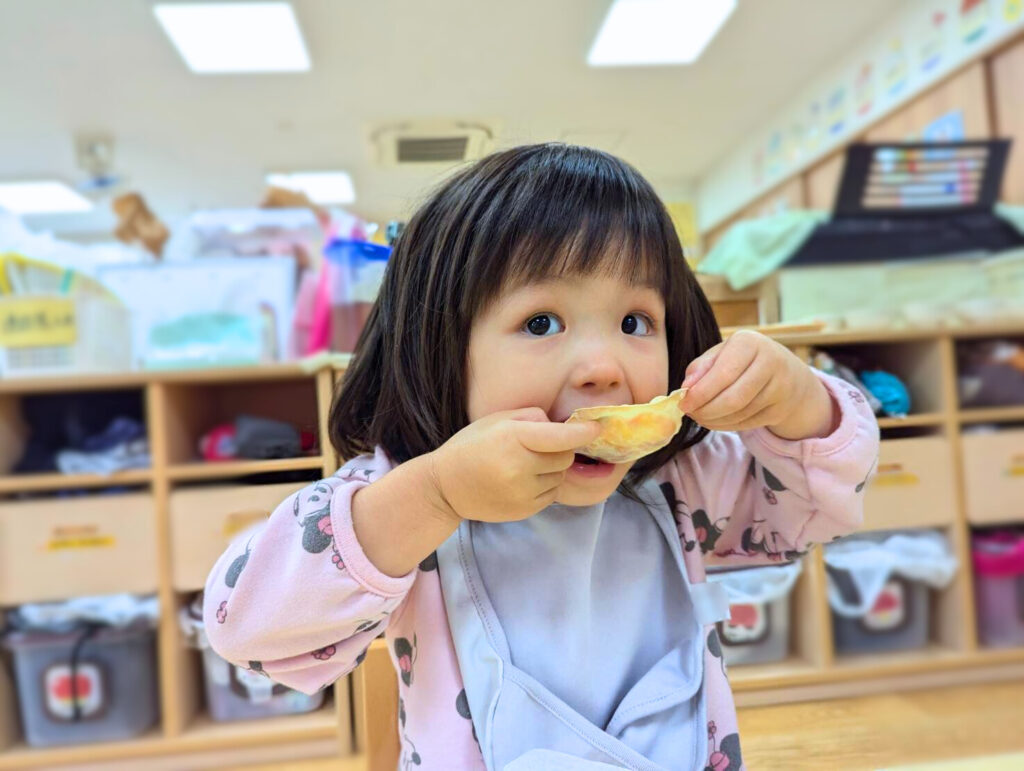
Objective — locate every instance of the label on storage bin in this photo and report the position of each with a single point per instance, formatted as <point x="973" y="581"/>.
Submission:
<point x="62" y="691"/>
<point x="87" y="537"/>
<point x="890" y="609"/>
<point x="37" y="321"/>
<point x="242" y="520"/>
<point x="893" y="475"/>
<point x="746" y="625"/>
<point x="1016" y="468"/>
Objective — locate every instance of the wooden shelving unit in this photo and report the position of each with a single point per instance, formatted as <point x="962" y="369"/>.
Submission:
<point x="359" y="719"/>
<point x="926" y="359"/>
<point x="180" y="407"/>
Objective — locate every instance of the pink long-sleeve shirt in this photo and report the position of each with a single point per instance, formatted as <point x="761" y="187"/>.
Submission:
<point x="299" y="600"/>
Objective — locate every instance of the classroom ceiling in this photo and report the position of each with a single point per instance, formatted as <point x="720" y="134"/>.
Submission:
<point x="189" y="141"/>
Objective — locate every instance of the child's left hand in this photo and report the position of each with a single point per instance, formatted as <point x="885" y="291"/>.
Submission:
<point x="751" y="381"/>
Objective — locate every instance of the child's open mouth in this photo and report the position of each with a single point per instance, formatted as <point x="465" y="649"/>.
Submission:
<point x="584" y="465"/>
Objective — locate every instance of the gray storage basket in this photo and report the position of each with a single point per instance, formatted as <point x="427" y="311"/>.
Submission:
<point x="758" y="628"/>
<point x="898" y="620"/>
<point x="91" y="684"/>
<point x="879" y="588"/>
<point x="240" y="693"/>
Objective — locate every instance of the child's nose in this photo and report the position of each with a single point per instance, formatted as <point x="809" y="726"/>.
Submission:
<point x="598" y="369"/>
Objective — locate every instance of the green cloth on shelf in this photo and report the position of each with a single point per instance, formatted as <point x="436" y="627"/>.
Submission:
<point x="753" y="249"/>
<point x="1014" y="215"/>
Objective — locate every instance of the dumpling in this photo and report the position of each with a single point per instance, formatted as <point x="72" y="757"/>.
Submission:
<point x="631" y="431"/>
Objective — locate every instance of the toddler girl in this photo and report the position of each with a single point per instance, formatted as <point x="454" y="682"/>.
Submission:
<point x="543" y="610"/>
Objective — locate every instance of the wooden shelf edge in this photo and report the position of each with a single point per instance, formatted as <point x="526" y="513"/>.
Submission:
<point x="220" y="469"/>
<point x="991" y="414"/>
<point x="870" y="667"/>
<point x="912" y="421"/>
<point x="774" y="674"/>
<point x="1010" y="328"/>
<point x="31" y="483"/>
<point x="201" y="735"/>
<point x="22" y="756"/>
<point x="204" y="733"/>
<point x="92" y="381"/>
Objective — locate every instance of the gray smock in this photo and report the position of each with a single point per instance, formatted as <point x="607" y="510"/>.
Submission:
<point x="579" y="637"/>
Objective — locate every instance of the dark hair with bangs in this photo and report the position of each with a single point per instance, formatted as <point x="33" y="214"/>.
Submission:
<point x="513" y="217"/>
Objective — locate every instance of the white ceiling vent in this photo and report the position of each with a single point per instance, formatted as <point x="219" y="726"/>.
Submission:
<point x="420" y="144"/>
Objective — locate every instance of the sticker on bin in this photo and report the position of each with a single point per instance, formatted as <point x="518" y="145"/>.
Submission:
<point x="66" y="686"/>
<point x="79" y="537"/>
<point x="747" y="624"/>
<point x="890" y="609"/>
<point x="862" y="568"/>
<point x="1016" y="467"/>
<point x="242" y="520"/>
<point x="894" y="475"/>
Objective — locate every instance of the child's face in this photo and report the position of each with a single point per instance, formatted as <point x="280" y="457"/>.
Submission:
<point x="566" y="343"/>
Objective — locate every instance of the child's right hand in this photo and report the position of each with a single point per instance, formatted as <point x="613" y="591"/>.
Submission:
<point x="509" y="465"/>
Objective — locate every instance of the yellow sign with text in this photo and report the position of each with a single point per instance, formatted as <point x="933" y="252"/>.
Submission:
<point x="81" y="542"/>
<point x="37" y="321"/>
<point x="242" y="520"/>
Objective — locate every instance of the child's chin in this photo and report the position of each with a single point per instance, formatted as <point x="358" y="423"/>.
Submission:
<point x="594" y="491"/>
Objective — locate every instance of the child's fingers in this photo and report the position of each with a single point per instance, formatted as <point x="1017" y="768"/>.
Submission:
<point x="528" y="414"/>
<point x="550" y="480"/>
<point x="700" y="365"/>
<point x="556" y="437"/>
<point x="727" y="368"/>
<point x="738" y="397"/>
<point x="765" y="416"/>
<point x="546" y="498"/>
<point x="762" y="405"/>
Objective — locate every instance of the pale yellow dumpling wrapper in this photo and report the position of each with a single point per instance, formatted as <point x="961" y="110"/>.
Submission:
<point x="631" y="431"/>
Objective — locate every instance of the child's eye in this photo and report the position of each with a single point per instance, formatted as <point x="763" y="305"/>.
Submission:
<point x="543" y="324"/>
<point x="637" y="323"/>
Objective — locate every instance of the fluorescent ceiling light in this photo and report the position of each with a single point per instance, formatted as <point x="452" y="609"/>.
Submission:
<point x="657" y="31"/>
<point x="235" y="37"/>
<point x="320" y="186"/>
<point x="41" y="197"/>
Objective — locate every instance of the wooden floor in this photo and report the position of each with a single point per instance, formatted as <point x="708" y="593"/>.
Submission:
<point x="982" y="727"/>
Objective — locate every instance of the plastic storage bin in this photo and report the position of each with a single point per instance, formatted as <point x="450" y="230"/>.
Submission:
<point x="758" y="628"/>
<point x="878" y="588"/>
<point x="91" y="684"/>
<point x="999" y="587"/>
<point x="237" y="693"/>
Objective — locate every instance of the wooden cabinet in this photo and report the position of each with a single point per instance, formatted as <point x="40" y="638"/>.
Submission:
<point x="994" y="476"/>
<point x="204" y="520"/>
<point x="52" y="549"/>
<point x="913" y="486"/>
